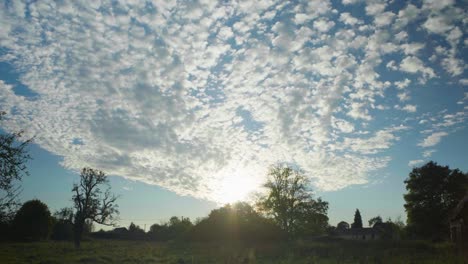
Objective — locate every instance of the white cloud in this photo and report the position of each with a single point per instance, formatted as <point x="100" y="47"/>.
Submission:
<point x="412" y="48"/>
<point x="413" y="163"/>
<point x="409" y="108"/>
<point x="403" y="84"/>
<point x="380" y="141"/>
<point x="407" y="15"/>
<point x="432" y="139"/>
<point x="412" y="64"/>
<point x="347" y="18"/>
<point x="375" y="8"/>
<point x="437" y="24"/>
<point x="323" y="25"/>
<point x="180" y="97"/>
<point x="392" y="65"/>
<point x="453" y="66"/>
<point x="428" y="153"/>
<point x="384" y="19"/>
<point x="343" y="125"/>
<point x="403" y="97"/>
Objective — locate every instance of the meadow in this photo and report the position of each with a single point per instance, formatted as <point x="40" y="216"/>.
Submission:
<point x="326" y="251"/>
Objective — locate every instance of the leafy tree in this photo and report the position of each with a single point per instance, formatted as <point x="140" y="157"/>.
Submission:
<point x="375" y="220"/>
<point x="357" y="220"/>
<point x="134" y="228"/>
<point x="290" y="203"/>
<point x="63" y="226"/>
<point x="342" y="225"/>
<point x="175" y="228"/>
<point x="32" y="221"/>
<point x="13" y="158"/>
<point x="91" y="203"/>
<point x="433" y="192"/>
<point x="237" y="222"/>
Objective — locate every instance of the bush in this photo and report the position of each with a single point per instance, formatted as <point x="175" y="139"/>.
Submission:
<point x="32" y="221"/>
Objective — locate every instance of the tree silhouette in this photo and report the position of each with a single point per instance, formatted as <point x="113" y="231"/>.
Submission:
<point x="290" y="202"/>
<point x="13" y="157"/>
<point x="375" y="220"/>
<point x="32" y="221"/>
<point x="342" y="225"/>
<point x="237" y="222"/>
<point x="91" y="203"/>
<point x="63" y="224"/>
<point x="357" y="220"/>
<point x="433" y="192"/>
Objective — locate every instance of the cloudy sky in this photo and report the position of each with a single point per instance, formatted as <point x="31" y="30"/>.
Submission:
<point x="199" y="98"/>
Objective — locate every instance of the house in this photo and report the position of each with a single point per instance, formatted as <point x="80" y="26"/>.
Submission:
<point x="120" y="230"/>
<point x="459" y="225"/>
<point x="360" y="233"/>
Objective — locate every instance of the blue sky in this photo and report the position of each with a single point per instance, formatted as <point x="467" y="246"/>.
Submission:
<point x="187" y="103"/>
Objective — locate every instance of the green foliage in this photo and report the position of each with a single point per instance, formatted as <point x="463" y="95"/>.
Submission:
<point x="32" y="221"/>
<point x="290" y="203"/>
<point x="175" y="228"/>
<point x="433" y="192"/>
<point x="357" y="220"/>
<point x="238" y="222"/>
<point x="13" y="158"/>
<point x="375" y="220"/>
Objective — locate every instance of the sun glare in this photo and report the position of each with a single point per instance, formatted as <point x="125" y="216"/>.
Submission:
<point x="236" y="187"/>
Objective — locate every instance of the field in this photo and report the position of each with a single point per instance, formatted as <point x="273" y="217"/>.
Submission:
<point x="114" y="251"/>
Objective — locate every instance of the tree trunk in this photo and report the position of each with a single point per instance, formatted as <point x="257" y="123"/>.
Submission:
<point x="78" y="231"/>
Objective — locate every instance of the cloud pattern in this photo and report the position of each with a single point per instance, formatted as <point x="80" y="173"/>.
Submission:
<point x="184" y="94"/>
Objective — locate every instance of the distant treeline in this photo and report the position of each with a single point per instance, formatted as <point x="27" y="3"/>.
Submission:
<point x="237" y="222"/>
<point x="231" y="222"/>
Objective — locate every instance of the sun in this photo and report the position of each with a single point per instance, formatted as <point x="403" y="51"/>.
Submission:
<point x="236" y="187"/>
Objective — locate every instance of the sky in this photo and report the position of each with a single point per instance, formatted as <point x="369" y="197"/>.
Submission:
<point x="186" y="104"/>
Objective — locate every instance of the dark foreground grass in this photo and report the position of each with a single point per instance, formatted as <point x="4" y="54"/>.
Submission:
<point x="113" y="251"/>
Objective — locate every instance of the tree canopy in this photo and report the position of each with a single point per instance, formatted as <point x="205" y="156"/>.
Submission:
<point x="357" y="220"/>
<point x="13" y="158"/>
<point x="342" y="225"/>
<point x="375" y="220"/>
<point x="433" y="192"/>
<point x="289" y="201"/>
<point x="237" y="222"/>
<point x="32" y="221"/>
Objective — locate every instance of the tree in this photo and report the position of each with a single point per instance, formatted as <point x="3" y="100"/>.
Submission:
<point x="91" y="203"/>
<point x="290" y="202"/>
<point x="375" y="220"/>
<point x="433" y="192"/>
<point x="342" y="225"/>
<point x="13" y="157"/>
<point x="237" y="222"/>
<point x="63" y="224"/>
<point x="357" y="220"/>
<point x="32" y="221"/>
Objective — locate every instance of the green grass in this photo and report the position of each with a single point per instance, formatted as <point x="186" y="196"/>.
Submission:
<point x="107" y="251"/>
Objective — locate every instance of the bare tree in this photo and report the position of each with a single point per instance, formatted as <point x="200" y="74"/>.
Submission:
<point x="13" y="157"/>
<point x="91" y="203"/>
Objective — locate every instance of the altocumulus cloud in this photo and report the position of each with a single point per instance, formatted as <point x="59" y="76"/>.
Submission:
<point x="183" y="94"/>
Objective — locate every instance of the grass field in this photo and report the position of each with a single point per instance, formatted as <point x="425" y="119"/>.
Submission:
<point x="113" y="251"/>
